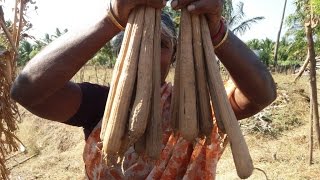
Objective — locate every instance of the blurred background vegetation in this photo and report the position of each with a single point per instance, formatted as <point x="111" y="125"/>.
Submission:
<point x="291" y="53"/>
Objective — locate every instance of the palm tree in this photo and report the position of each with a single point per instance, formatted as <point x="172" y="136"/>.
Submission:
<point x="28" y="50"/>
<point x="235" y="16"/>
<point x="263" y="48"/>
<point x="227" y="9"/>
<point x="59" y="33"/>
<point x="47" y="39"/>
<point x="254" y="44"/>
<point x="279" y="33"/>
<point x="25" y="49"/>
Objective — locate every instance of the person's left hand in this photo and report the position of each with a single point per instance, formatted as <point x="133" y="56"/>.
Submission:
<point x="211" y="8"/>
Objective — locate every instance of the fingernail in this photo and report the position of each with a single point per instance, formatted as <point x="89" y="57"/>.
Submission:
<point x="191" y="7"/>
<point x="174" y="3"/>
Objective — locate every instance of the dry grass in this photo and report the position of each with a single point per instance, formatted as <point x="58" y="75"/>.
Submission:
<point x="292" y="97"/>
<point x="57" y="149"/>
<point x="284" y="156"/>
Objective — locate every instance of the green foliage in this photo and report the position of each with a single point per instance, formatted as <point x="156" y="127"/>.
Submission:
<point x="254" y="44"/>
<point x="264" y="48"/>
<point x="4" y="42"/>
<point x="105" y="56"/>
<point x="288" y="54"/>
<point x="28" y="50"/>
<point x="295" y="36"/>
<point x="25" y="50"/>
<point x="175" y="15"/>
<point x="227" y="9"/>
<point x="235" y="17"/>
<point x="316" y="6"/>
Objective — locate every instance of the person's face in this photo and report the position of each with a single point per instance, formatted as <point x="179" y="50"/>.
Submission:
<point x="167" y="51"/>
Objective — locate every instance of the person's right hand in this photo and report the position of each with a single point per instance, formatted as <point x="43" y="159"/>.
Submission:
<point x="122" y="8"/>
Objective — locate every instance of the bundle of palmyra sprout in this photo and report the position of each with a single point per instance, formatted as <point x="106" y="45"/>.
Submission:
<point x="8" y="109"/>
<point x="132" y="113"/>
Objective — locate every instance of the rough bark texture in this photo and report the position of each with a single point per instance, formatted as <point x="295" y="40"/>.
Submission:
<point x="141" y="107"/>
<point x="311" y="134"/>
<point x="203" y="99"/>
<point x="223" y="109"/>
<point x="313" y="80"/>
<point x="176" y="91"/>
<point x="188" y="123"/>
<point x="154" y="131"/>
<point x="279" y="34"/>
<point x="303" y="68"/>
<point x="120" y="107"/>
<point x="116" y="73"/>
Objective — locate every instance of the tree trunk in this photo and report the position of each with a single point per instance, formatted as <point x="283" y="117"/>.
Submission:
<point x="313" y="82"/>
<point x="303" y="68"/>
<point x="311" y="134"/>
<point x="279" y="34"/>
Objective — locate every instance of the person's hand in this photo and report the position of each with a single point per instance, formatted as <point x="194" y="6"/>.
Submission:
<point x="211" y="8"/>
<point x="122" y="8"/>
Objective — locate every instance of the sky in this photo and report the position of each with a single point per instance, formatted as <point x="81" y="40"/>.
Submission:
<point x="272" y="11"/>
<point x="77" y="14"/>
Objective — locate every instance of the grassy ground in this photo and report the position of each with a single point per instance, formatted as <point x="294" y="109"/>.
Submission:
<point x="279" y="147"/>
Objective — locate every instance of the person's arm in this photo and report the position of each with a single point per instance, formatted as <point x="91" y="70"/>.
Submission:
<point x="254" y="85"/>
<point x="255" y="88"/>
<point x="43" y="86"/>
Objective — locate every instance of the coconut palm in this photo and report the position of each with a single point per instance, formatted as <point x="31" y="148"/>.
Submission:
<point x="235" y="18"/>
<point x="28" y="50"/>
<point x="264" y="49"/>
<point x="254" y="44"/>
<point x="25" y="49"/>
<point x="58" y="33"/>
<point x="279" y="33"/>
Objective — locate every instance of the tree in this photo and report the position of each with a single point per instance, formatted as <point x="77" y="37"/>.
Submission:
<point x="316" y="6"/>
<point x="279" y="33"/>
<point x="28" y="50"/>
<point x="254" y="44"/>
<point x="310" y="21"/>
<point x="105" y="56"/>
<point x="24" y="51"/>
<point x="58" y="33"/>
<point x="264" y="49"/>
<point x="296" y="32"/>
<point x="235" y="18"/>
<point x="267" y="47"/>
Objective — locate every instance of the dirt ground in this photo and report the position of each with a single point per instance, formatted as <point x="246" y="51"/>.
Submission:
<point x="54" y="150"/>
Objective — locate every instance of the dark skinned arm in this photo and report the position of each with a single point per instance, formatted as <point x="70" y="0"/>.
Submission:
<point x="254" y="85"/>
<point x="43" y="86"/>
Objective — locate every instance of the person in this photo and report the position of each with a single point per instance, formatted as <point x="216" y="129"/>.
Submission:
<point x="44" y="88"/>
